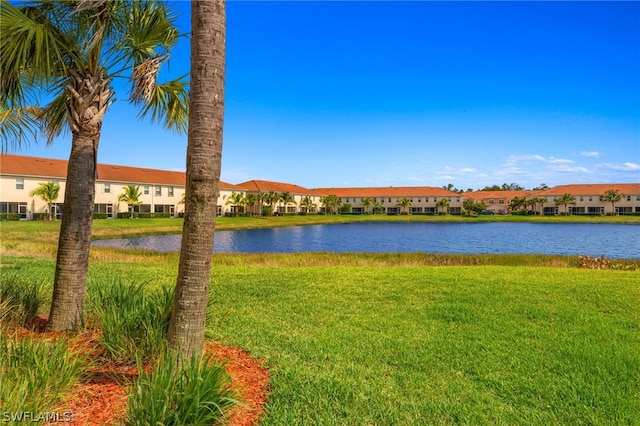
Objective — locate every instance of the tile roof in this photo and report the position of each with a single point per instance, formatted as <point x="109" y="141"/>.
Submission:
<point x="593" y="189"/>
<point x="48" y="168"/>
<point x="266" y="186"/>
<point x="497" y="195"/>
<point x="389" y="191"/>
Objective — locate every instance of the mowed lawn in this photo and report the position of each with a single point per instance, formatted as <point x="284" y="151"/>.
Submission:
<point x="412" y="344"/>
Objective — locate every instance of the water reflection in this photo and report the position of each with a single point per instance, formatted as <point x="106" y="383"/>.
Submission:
<point x="611" y="240"/>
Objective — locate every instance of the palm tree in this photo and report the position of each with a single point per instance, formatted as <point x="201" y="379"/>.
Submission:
<point x="131" y="196"/>
<point x="307" y="204"/>
<point x="378" y="207"/>
<point x="367" y="203"/>
<point x="272" y="198"/>
<point x="404" y="202"/>
<point x="236" y="199"/>
<point x="442" y="203"/>
<point x="330" y="202"/>
<point x="48" y="192"/>
<point x="287" y="199"/>
<point x="70" y="52"/>
<point x="251" y="200"/>
<point x="204" y="152"/>
<point x="612" y="196"/>
<point x="565" y="200"/>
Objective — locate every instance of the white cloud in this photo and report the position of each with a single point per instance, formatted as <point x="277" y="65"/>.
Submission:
<point x="625" y="167"/>
<point x="554" y="160"/>
<point x="593" y="154"/>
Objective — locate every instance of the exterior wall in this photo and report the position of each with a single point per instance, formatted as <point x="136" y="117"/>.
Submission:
<point x="165" y="197"/>
<point x="419" y="205"/>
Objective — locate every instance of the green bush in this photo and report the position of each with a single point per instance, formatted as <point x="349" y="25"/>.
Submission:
<point x="9" y="216"/>
<point x="35" y="374"/>
<point x="197" y="393"/>
<point x="134" y="321"/>
<point x="100" y="216"/>
<point x="20" y="299"/>
<point x="40" y="216"/>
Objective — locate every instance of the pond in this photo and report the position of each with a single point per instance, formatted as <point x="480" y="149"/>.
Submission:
<point x="620" y="241"/>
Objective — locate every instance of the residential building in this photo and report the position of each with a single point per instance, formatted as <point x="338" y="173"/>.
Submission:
<point x="161" y="190"/>
<point x="422" y="199"/>
<point x="588" y="198"/>
<point x="162" y="193"/>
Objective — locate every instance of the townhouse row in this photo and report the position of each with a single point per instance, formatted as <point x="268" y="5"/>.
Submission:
<point x="162" y="193"/>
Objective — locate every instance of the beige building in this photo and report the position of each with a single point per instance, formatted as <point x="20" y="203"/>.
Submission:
<point x="422" y="199"/>
<point x="162" y="192"/>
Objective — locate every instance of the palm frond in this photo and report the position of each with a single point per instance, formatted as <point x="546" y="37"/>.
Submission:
<point x="54" y="116"/>
<point x="145" y="78"/>
<point x="32" y="48"/>
<point x="170" y="103"/>
<point x="18" y="125"/>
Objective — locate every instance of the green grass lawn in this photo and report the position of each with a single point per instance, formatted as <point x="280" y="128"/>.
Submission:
<point x="366" y="343"/>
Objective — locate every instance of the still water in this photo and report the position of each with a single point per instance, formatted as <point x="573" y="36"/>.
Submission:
<point x="611" y="240"/>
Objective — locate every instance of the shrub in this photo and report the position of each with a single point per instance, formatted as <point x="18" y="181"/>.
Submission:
<point x="134" y="321"/>
<point x="35" y="374"/>
<point x="100" y="216"/>
<point x="9" y="216"/>
<point x="40" y="216"/>
<point x="197" y="393"/>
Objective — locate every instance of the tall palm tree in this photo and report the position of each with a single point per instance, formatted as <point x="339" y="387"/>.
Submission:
<point x="204" y="153"/>
<point x="287" y="199"/>
<point x="404" y="202"/>
<point x="367" y="203"/>
<point x="251" y="200"/>
<point x="442" y="204"/>
<point x="131" y="196"/>
<point x="565" y="200"/>
<point x="48" y="192"/>
<point x="70" y="51"/>
<point x="330" y="202"/>
<point x="612" y="196"/>
<point x="307" y="204"/>
<point x="237" y="200"/>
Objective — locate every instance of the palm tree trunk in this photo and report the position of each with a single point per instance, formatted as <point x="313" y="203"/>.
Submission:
<point x="89" y="98"/>
<point x="204" y="150"/>
<point x="74" y="242"/>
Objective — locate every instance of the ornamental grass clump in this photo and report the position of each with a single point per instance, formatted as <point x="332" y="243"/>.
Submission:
<point x="133" y="320"/>
<point x="20" y="300"/>
<point x="35" y="374"/>
<point x="196" y="393"/>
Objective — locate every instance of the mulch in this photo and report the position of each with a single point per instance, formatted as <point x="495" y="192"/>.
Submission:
<point x="101" y="398"/>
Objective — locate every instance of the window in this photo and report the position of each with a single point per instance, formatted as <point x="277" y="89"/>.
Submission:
<point x="435" y="199"/>
<point x="500" y="201"/>
<point x="490" y="200"/>
<point x="389" y="199"/>
<point x="628" y="197"/>
<point x="19" y="183"/>
<point x="55" y="182"/>
<point x="170" y="191"/>
<point x="590" y="197"/>
<point x="145" y="190"/>
<point x="107" y="188"/>
<point x="637" y="197"/>
<point x="581" y="198"/>
<point x="158" y="190"/>
<point x="457" y="199"/>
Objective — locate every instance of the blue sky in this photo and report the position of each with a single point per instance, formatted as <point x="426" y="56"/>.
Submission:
<point x="333" y="93"/>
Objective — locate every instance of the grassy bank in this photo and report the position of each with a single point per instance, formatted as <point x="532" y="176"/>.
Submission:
<point x="408" y="344"/>
<point x="406" y="339"/>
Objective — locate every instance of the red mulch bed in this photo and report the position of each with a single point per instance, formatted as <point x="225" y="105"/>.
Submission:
<point x="102" y="398"/>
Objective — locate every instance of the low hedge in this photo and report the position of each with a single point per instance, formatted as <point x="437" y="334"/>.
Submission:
<point x="9" y="216"/>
